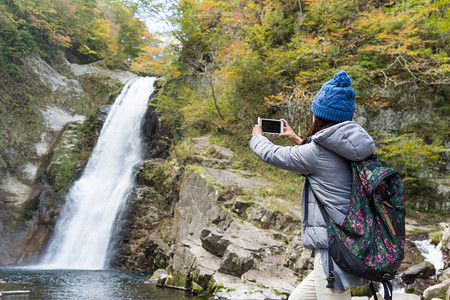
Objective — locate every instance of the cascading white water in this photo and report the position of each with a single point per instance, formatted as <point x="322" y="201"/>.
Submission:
<point x="431" y="253"/>
<point x="85" y="225"/>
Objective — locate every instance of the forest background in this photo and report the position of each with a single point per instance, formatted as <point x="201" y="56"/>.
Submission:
<point x="226" y="62"/>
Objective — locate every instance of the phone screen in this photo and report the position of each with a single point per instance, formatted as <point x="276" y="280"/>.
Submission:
<point x="271" y="126"/>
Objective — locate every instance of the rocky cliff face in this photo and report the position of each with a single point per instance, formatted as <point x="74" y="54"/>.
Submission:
<point x="201" y="225"/>
<point x="222" y="236"/>
<point x="44" y="151"/>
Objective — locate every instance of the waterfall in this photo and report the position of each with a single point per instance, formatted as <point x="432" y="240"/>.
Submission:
<point x="431" y="253"/>
<point x="85" y="225"/>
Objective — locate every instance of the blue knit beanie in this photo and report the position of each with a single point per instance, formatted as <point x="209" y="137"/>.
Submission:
<point x="336" y="99"/>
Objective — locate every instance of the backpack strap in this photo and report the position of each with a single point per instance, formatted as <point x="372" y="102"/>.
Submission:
<point x="387" y="285"/>
<point x="333" y="277"/>
<point x="387" y="290"/>
<point x="372" y="289"/>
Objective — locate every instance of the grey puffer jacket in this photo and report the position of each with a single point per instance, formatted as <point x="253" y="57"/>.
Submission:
<point x="325" y="161"/>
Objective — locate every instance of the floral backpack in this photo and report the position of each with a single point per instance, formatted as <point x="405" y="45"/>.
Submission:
<point x="370" y="242"/>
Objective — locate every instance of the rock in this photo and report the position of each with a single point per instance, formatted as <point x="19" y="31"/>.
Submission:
<point x="277" y="277"/>
<point x="178" y="281"/>
<point x="446" y="238"/>
<point x="240" y="206"/>
<point x="403" y="296"/>
<point x="17" y="191"/>
<point x="146" y="231"/>
<point x="202" y="144"/>
<point x="196" y="208"/>
<point x="419" y="286"/>
<point x="262" y="215"/>
<point x="297" y="258"/>
<point x="247" y="236"/>
<point x="412" y="256"/>
<point x="422" y="270"/>
<point x="362" y="290"/>
<point x="437" y="291"/>
<point x="235" y="179"/>
<point x="240" y="294"/>
<point x="213" y="241"/>
<point x="444" y="275"/>
<point x="54" y="80"/>
<point x="159" y="276"/>
<point x="196" y="288"/>
<point x="257" y="212"/>
<point x="236" y="261"/>
<point x="280" y="236"/>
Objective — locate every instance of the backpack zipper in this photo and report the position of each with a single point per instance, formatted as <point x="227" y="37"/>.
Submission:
<point x="388" y="221"/>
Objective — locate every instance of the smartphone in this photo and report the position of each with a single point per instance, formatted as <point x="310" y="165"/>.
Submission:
<point x="271" y="126"/>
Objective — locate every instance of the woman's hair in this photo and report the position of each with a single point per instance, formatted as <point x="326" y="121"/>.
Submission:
<point x="317" y="125"/>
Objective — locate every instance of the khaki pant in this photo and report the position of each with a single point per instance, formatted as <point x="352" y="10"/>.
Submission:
<point x="313" y="287"/>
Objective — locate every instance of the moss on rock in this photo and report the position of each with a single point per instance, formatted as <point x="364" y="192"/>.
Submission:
<point x="178" y="281"/>
<point x="361" y="291"/>
<point x="72" y="152"/>
<point x="196" y="288"/>
<point x="66" y="158"/>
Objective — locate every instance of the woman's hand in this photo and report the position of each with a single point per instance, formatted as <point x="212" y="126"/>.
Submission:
<point x="290" y="134"/>
<point x="257" y="129"/>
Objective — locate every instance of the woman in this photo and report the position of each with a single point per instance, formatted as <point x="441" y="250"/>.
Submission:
<point x="323" y="156"/>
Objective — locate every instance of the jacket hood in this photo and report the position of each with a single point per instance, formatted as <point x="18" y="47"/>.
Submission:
<point x="347" y="139"/>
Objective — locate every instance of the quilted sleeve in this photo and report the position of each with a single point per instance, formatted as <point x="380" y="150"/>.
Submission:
<point x="301" y="159"/>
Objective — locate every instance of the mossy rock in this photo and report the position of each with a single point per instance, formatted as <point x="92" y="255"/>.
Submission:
<point x="218" y="288"/>
<point x="361" y="291"/>
<point x="28" y="208"/>
<point x="72" y="152"/>
<point x="196" y="288"/>
<point x="157" y="176"/>
<point x="178" y="281"/>
<point x="211" y="287"/>
<point x="65" y="159"/>
<point x="159" y="276"/>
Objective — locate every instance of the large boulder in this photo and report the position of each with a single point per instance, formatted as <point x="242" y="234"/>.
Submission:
<point x="213" y="240"/>
<point x="423" y="270"/>
<point x="437" y="291"/>
<point x="236" y="261"/>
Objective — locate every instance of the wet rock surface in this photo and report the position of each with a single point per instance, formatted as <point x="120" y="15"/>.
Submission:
<point x="423" y="270"/>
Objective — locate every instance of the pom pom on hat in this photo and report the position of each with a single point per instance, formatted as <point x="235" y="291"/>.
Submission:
<point x="342" y="79"/>
<point x="336" y="99"/>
